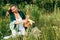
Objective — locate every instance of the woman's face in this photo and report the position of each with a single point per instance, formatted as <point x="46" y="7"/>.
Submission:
<point x="14" y="9"/>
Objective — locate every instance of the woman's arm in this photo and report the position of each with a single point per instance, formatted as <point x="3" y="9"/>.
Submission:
<point x="7" y="14"/>
<point x="27" y="17"/>
<point x="23" y="21"/>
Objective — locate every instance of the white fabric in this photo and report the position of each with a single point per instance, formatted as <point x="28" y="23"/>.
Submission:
<point x="19" y="26"/>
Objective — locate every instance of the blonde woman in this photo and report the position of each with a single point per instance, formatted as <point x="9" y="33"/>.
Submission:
<point x="17" y="19"/>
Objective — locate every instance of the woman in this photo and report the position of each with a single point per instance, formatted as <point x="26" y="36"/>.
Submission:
<point x="17" y="19"/>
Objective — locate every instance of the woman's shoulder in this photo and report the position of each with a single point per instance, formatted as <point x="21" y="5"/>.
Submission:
<point x="22" y="14"/>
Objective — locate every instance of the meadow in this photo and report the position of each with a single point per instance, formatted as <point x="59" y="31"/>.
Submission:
<point x="47" y="22"/>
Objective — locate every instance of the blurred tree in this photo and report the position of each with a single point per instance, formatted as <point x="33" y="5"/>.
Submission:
<point x="5" y="1"/>
<point x="58" y="4"/>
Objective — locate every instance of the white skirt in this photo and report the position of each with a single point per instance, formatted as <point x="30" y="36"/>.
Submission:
<point x="20" y="29"/>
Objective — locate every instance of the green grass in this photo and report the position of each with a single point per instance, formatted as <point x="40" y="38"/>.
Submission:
<point x="48" y="23"/>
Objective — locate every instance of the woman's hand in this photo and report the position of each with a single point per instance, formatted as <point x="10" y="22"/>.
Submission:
<point x="7" y="14"/>
<point x="27" y="16"/>
<point x="17" y="22"/>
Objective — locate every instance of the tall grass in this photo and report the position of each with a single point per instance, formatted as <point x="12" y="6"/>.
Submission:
<point x="48" y="23"/>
